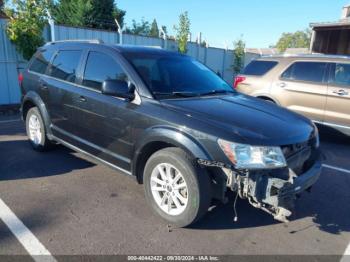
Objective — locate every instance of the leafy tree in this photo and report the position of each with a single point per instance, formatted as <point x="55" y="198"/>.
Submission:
<point x="139" y="28"/>
<point x="72" y="12"/>
<point x="101" y="14"/>
<point x="90" y="13"/>
<point x="299" y="39"/>
<point x="183" y="30"/>
<point x="154" y="32"/>
<point x="27" y="21"/>
<point x="238" y="51"/>
<point x="2" y="4"/>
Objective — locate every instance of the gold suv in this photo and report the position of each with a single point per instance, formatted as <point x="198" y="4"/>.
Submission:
<point x="317" y="86"/>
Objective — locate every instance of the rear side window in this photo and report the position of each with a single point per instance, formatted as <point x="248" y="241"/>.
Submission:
<point x="306" y="71"/>
<point x="340" y="75"/>
<point x="65" y="65"/>
<point x="101" y="67"/>
<point x="40" y="61"/>
<point x="259" y="68"/>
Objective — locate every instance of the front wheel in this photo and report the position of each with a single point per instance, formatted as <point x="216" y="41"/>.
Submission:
<point x="176" y="188"/>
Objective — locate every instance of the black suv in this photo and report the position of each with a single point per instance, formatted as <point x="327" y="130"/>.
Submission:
<point x="170" y="122"/>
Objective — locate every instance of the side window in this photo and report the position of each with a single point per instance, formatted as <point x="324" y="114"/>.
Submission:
<point x="65" y="65"/>
<point x="306" y="71"/>
<point x="40" y="61"/>
<point x="340" y="74"/>
<point x="259" y="68"/>
<point x="100" y="67"/>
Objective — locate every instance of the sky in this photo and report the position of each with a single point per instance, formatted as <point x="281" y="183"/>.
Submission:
<point x="259" y="22"/>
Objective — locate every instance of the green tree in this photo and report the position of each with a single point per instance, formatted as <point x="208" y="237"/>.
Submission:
<point x="90" y="13"/>
<point x="72" y="12"/>
<point x="139" y="28"/>
<point x="101" y="14"/>
<point x="182" y="32"/>
<point x="27" y="21"/>
<point x="299" y="39"/>
<point x="154" y="31"/>
<point x="238" y="58"/>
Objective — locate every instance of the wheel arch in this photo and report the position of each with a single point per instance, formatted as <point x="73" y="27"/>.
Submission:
<point x="32" y="99"/>
<point x="159" y="138"/>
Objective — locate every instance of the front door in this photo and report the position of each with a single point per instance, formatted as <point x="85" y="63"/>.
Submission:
<point x="338" y="100"/>
<point x="105" y="121"/>
<point x="303" y="88"/>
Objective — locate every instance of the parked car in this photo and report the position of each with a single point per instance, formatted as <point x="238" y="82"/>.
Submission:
<point x="317" y="86"/>
<point x="171" y="123"/>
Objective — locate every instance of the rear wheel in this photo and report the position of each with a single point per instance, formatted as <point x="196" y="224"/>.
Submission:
<point x="36" y="131"/>
<point x="176" y="188"/>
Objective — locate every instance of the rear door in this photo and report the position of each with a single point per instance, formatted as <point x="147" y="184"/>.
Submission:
<point x="338" y="100"/>
<point x="302" y="87"/>
<point x="35" y="78"/>
<point x="62" y="88"/>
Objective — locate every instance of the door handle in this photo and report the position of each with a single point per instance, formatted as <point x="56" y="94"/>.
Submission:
<point x="82" y="99"/>
<point x="43" y="85"/>
<point x="341" y="92"/>
<point x="282" y="84"/>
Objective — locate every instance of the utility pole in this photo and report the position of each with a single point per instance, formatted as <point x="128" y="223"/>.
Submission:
<point x="52" y="25"/>
<point x="163" y="35"/>
<point x="120" y="31"/>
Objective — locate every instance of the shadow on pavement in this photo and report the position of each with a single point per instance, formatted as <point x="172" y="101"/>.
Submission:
<point x="20" y="161"/>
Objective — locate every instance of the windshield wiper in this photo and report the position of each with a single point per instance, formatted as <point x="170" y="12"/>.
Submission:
<point x="215" y="92"/>
<point x="177" y="94"/>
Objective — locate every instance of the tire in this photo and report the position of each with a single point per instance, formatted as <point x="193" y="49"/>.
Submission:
<point x="197" y="192"/>
<point x="38" y="142"/>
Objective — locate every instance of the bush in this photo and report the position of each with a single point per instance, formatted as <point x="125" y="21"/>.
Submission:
<point x="25" y="28"/>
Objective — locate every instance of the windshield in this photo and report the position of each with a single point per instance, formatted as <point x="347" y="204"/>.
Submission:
<point x="169" y="76"/>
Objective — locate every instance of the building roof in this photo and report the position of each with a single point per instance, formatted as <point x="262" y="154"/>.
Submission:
<point x="339" y="23"/>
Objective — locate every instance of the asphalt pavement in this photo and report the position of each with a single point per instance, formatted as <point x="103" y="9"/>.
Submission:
<point x="74" y="206"/>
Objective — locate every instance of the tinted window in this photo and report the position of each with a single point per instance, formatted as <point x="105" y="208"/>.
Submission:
<point x="167" y="74"/>
<point x="40" y="61"/>
<point x="259" y="68"/>
<point x="100" y="67"/>
<point x="65" y="65"/>
<point x="306" y="71"/>
<point x="340" y="74"/>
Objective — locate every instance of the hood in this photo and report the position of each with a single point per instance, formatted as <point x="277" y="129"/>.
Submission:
<point x="244" y="119"/>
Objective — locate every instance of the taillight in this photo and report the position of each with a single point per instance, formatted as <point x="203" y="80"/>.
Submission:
<point x="20" y="79"/>
<point x="238" y="79"/>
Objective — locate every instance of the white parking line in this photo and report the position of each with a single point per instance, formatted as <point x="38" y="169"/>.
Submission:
<point x="9" y="121"/>
<point x="24" y="235"/>
<point x="346" y="256"/>
<point x="337" y="168"/>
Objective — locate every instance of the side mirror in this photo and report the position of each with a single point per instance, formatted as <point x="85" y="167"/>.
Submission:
<point x="118" y="88"/>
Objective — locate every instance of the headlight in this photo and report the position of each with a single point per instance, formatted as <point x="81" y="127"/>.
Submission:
<point x="253" y="157"/>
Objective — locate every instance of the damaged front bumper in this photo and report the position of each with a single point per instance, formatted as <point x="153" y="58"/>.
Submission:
<point x="274" y="191"/>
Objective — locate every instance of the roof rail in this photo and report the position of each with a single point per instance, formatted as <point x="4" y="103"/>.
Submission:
<point x="91" y="41"/>
<point x="312" y="55"/>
